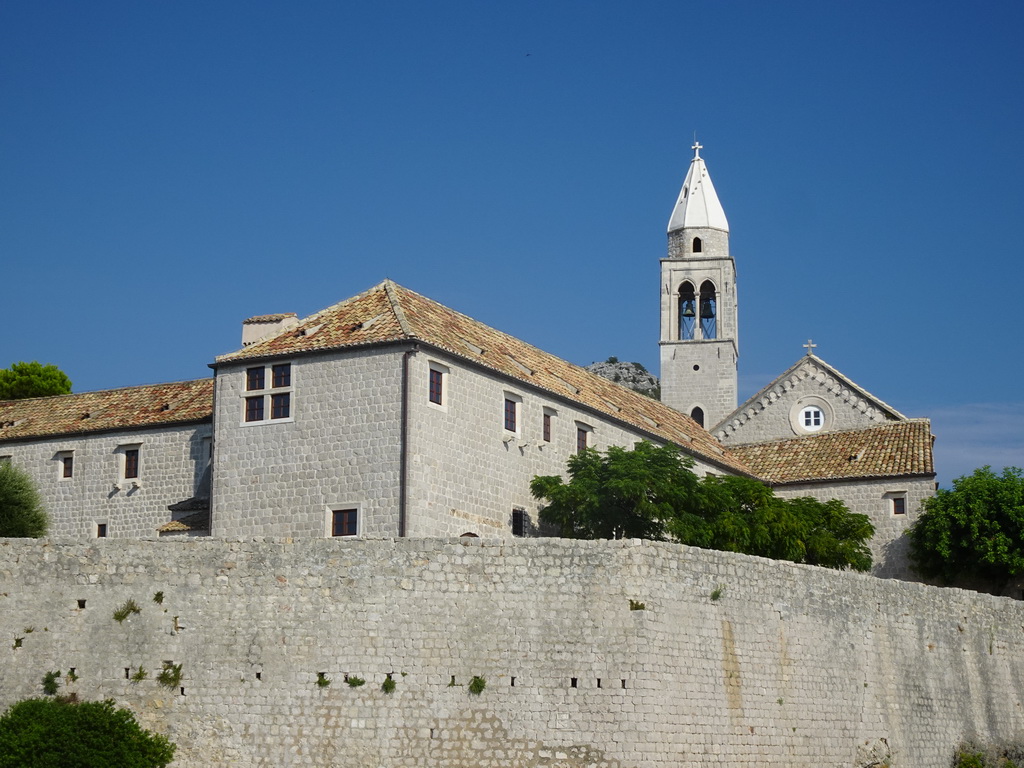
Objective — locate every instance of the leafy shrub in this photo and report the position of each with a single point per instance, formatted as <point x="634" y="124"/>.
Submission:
<point x="477" y="685"/>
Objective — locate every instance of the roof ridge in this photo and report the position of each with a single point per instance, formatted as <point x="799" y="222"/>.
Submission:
<point x="390" y="288"/>
<point x="836" y="433"/>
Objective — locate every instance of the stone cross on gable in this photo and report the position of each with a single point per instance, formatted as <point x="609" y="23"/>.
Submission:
<point x="809" y="346"/>
<point x="697" y="147"/>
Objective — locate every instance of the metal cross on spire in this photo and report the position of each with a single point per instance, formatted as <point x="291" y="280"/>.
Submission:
<point x="809" y="346"/>
<point x="697" y="147"/>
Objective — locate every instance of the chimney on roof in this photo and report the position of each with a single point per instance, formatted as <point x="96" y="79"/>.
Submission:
<point x="260" y="327"/>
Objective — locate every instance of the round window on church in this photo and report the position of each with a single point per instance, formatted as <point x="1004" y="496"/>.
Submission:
<point x="812" y="419"/>
<point x="811" y="414"/>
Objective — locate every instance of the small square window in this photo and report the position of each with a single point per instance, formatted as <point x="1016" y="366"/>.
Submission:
<point x="254" y="378"/>
<point x="67" y="465"/>
<point x="436" y="388"/>
<point x="510" y="414"/>
<point x="254" y="408"/>
<point x="131" y="463"/>
<point x="899" y="505"/>
<point x="280" y="405"/>
<point x="344" y="522"/>
<point x="282" y="375"/>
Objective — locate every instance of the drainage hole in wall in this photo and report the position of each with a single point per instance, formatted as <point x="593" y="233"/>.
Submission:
<point x="572" y="682"/>
<point x="81" y="603"/>
<point x="127" y="673"/>
<point x="623" y="683"/>
<point x="599" y="682"/>
<point x="259" y="676"/>
<point x="513" y="682"/>
<point x="182" y="691"/>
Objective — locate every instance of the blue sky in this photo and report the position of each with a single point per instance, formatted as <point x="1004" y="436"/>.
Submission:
<point x="169" y="169"/>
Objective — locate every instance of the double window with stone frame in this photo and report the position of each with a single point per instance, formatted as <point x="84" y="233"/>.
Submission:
<point x="268" y="393"/>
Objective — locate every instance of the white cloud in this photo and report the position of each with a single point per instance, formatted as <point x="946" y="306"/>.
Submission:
<point x="973" y="435"/>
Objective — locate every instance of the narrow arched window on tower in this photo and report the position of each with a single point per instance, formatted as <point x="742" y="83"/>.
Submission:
<point x="697" y="414"/>
<point x="708" y="311"/>
<point x="687" y="311"/>
<point x="698" y="246"/>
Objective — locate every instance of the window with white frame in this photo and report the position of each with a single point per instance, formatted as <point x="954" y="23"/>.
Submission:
<point x="66" y="465"/>
<point x="437" y="385"/>
<point x="130" y="462"/>
<point x="511" y="413"/>
<point x="896" y="503"/>
<point x="812" y="418"/>
<point x="268" y="393"/>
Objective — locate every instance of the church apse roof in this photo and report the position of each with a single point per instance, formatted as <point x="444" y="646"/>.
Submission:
<point x="130" y="407"/>
<point x="389" y="312"/>
<point x="890" y="450"/>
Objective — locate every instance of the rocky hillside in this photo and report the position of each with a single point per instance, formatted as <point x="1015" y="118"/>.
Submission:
<point x="631" y="375"/>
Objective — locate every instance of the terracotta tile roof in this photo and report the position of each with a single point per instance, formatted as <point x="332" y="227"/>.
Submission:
<point x="147" y="406"/>
<point x="889" y="450"/>
<point x="388" y="312"/>
<point x="268" y="318"/>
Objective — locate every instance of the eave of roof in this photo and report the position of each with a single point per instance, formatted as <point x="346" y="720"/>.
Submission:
<point x="389" y="313"/>
<point x="896" y="449"/>
<point x="154" y="405"/>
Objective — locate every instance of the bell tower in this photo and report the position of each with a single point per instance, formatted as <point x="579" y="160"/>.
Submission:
<point x="699" y="335"/>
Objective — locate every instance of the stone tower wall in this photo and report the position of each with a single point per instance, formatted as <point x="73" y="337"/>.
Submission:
<point x="591" y="653"/>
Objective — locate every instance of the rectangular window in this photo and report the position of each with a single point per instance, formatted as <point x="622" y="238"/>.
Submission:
<point x="254" y="408"/>
<point x="510" y="415"/>
<point x="583" y="438"/>
<point x="547" y="427"/>
<point x="271" y="403"/>
<point x="254" y="379"/>
<point x="280" y="405"/>
<point x="344" y="522"/>
<point x="67" y="465"/>
<point x="520" y="522"/>
<point x="282" y="375"/>
<point x="101" y="530"/>
<point x="436" y="380"/>
<point x="131" y="463"/>
<point x="899" y="505"/>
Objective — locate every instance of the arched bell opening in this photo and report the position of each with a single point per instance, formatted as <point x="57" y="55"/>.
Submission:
<point x="698" y="246"/>
<point x="708" y="311"/>
<point x="687" y="311"/>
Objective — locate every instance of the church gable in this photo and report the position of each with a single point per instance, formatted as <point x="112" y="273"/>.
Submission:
<point x="810" y="398"/>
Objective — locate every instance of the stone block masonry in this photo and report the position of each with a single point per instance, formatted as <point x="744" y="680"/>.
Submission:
<point x="593" y="653"/>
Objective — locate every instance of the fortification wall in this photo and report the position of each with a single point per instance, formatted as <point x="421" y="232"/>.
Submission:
<point x="723" y="659"/>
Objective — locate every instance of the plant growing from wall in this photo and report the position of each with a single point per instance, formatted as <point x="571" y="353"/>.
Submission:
<point x="322" y="680"/>
<point x="353" y="681"/>
<point x="716" y="593"/>
<point x="126" y="610"/>
<point x="388" y="686"/>
<point x="72" y="676"/>
<point x="636" y="605"/>
<point x="141" y="674"/>
<point x="50" y="685"/>
<point x="158" y="598"/>
<point x="477" y="685"/>
<point x="170" y="675"/>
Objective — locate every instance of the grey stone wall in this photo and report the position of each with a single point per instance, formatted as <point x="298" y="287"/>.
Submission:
<point x="171" y="463"/>
<point x="726" y="660"/>
<point x="468" y="472"/>
<point x="873" y="497"/>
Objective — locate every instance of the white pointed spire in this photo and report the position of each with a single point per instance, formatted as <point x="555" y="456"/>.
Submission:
<point x="698" y="204"/>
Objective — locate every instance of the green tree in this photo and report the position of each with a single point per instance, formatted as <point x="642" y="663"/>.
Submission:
<point x="59" y="733"/>
<point x="33" y="379"/>
<point x="974" y="530"/>
<point x="651" y="492"/>
<point x="21" y="512"/>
